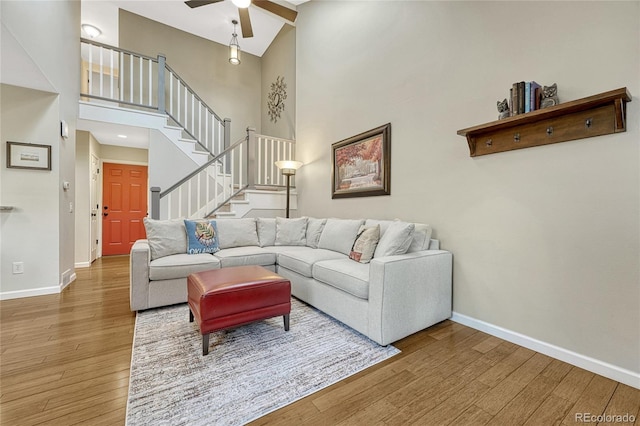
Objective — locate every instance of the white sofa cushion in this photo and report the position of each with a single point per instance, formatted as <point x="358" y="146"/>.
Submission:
<point x="421" y="238"/>
<point x="339" y="235"/>
<point x="396" y="239"/>
<point x="266" y="231"/>
<point x="302" y="259"/>
<point x="248" y="255"/>
<point x="291" y="232"/>
<point x="344" y="274"/>
<point x="237" y="232"/>
<point x="314" y="230"/>
<point x="165" y="237"/>
<point x="181" y="265"/>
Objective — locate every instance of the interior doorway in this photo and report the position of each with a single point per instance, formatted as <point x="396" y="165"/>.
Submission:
<point x="95" y="206"/>
<point x="124" y="205"/>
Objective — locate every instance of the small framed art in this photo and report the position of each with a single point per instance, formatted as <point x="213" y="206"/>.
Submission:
<point x="28" y="156"/>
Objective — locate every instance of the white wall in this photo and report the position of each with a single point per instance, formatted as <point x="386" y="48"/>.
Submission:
<point x="546" y="240"/>
<point x="55" y="51"/>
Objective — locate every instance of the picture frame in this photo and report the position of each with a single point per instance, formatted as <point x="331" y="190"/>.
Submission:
<point x="361" y="164"/>
<point x="28" y="156"/>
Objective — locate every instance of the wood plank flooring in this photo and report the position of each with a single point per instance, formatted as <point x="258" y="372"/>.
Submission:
<point x="64" y="360"/>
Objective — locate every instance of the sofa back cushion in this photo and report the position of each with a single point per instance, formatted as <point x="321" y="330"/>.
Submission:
<point x="365" y="244"/>
<point x="421" y="238"/>
<point x="395" y="240"/>
<point x="166" y="237"/>
<point x="314" y="230"/>
<point x="339" y="234"/>
<point x="266" y="231"/>
<point x="237" y="232"/>
<point x="291" y="232"/>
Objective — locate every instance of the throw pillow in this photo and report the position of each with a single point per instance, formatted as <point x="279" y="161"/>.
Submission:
<point x="421" y="238"/>
<point x="237" y="232"/>
<point x="291" y="232"/>
<point x="396" y="239"/>
<point x="314" y="230"/>
<point x="339" y="235"/>
<point x="365" y="244"/>
<point x="266" y="231"/>
<point x="202" y="236"/>
<point x="165" y="237"/>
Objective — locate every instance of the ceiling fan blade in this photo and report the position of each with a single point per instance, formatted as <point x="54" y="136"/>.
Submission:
<point x="198" y="3"/>
<point x="245" y="22"/>
<point x="283" y="12"/>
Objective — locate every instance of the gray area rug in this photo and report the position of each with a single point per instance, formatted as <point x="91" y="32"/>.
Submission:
<point x="249" y="372"/>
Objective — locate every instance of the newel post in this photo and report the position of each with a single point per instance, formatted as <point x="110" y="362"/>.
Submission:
<point x="155" y="202"/>
<point x="252" y="164"/>
<point x="161" y="99"/>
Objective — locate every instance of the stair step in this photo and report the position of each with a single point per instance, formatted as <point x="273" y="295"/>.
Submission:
<point x="225" y="214"/>
<point x="239" y="202"/>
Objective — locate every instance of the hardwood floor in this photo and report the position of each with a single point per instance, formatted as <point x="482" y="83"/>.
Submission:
<point x="65" y="360"/>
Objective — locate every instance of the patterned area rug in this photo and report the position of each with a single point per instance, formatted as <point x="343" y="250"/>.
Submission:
<point x="249" y="372"/>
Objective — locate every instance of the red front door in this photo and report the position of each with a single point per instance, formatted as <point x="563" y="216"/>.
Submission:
<point x="124" y="205"/>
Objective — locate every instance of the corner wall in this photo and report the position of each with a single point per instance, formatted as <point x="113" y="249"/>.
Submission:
<point x="546" y="240"/>
<point x="44" y="218"/>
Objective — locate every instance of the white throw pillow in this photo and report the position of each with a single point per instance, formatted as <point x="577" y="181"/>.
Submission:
<point x="267" y="231"/>
<point x="339" y="235"/>
<point x="314" y="230"/>
<point x="421" y="238"/>
<point x="291" y="232"/>
<point x="166" y="237"/>
<point x="237" y="232"/>
<point x="396" y="239"/>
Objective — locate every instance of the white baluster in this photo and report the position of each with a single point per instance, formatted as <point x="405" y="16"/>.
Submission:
<point x="141" y="81"/>
<point x="150" y="83"/>
<point x="121" y="76"/>
<point x="169" y="205"/>
<point x="101" y="73"/>
<point x="111" y="74"/>
<point x="90" y="69"/>
<point x="189" y="192"/>
<point x="178" y="100"/>
<point x="259" y="161"/>
<point x="170" y="93"/>
<point x="131" y="78"/>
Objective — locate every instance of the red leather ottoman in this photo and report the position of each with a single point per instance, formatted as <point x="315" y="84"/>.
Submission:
<point x="229" y="297"/>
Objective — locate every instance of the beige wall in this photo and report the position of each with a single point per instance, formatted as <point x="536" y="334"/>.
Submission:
<point x="120" y="154"/>
<point x="231" y="91"/>
<point x="34" y="116"/>
<point x="280" y="61"/>
<point x="545" y="240"/>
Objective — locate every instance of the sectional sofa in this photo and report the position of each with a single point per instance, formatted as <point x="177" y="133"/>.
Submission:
<point x="405" y="287"/>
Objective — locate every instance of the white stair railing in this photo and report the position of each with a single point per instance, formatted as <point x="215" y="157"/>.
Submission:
<point x="268" y="150"/>
<point x="207" y="189"/>
<point x="114" y="75"/>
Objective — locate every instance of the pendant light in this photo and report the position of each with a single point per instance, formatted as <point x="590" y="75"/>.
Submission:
<point x="234" y="47"/>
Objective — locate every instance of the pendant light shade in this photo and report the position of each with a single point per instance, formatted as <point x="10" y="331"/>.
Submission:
<point x="234" y="47"/>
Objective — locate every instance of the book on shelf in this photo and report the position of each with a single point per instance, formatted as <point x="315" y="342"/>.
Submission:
<point x="524" y="96"/>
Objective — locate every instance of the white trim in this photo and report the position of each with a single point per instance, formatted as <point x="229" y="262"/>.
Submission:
<point x="82" y="264"/>
<point x="6" y="295"/>
<point x="602" y="368"/>
<point x="129" y="163"/>
<point x="72" y="278"/>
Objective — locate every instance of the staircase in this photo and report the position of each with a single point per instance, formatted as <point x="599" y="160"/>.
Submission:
<point x="223" y="179"/>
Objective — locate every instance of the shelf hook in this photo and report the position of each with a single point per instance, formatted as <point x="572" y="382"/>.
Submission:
<point x="588" y="123"/>
<point x="549" y="130"/>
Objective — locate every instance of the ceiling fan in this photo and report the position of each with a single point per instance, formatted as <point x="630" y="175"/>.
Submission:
<point x="243" y="11"/>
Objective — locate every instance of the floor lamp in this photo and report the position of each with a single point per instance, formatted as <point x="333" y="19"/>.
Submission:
<point x="288" y="168"/>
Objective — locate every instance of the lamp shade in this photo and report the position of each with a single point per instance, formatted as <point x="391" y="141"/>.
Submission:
<point x="241" y="3"/>
<point x="288" y="167"/>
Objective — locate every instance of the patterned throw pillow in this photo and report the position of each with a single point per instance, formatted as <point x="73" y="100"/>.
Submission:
<point x="202" y="236"/>
<point x="365" y="244"/>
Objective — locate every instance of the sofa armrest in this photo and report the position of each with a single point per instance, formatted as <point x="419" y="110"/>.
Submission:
<point x="139" y="260"/>
<point x="408" y="293"/>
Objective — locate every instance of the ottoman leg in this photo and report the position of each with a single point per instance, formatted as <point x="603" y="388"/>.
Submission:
<point x="190" y="315"/>
<point x="286" y="322"/>
<point x="205" y="344"/>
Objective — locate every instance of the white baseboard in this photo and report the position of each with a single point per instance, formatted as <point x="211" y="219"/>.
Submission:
<point x="6" y="295"/>
<point x="602" y="368"/>
<point x="72" y="278"/>
<point x="82" y="264"/>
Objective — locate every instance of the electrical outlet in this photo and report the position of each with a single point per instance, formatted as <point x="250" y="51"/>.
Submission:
<point x="18" y="267"/>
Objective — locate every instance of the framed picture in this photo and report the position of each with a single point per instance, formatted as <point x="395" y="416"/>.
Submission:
<point x="361" y="165"/>
<point x="28" y="156"/>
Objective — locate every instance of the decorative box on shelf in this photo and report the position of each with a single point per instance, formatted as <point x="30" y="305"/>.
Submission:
<point x="596" y="115"/>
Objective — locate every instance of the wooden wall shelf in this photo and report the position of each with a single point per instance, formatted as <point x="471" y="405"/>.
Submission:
<point x="596" y="115"/>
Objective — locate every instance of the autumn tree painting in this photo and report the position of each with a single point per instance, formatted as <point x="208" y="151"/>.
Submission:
<point x="360" y="164"/>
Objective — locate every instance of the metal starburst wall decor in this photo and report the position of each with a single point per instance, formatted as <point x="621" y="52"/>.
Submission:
<point x="275" y="100"/>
